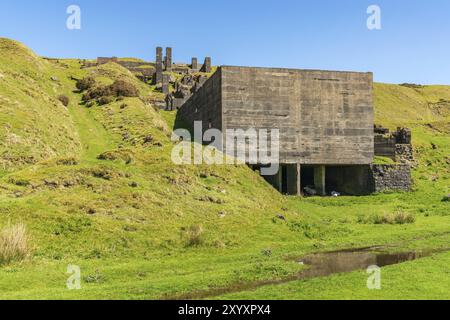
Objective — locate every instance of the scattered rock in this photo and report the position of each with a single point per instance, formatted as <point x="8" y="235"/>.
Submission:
<point x="310" y="191"/>
<point x="211" y="199"/>
<point x="281" y="217"/>
<point x="71" y="161"/>
<point x="54" y="78"/>
<point x="125" y="155"/>
<point x="222" y="214"/>
<point x="148" y="139"/>
<point x="18" y="194"/>
<point x="133" y="184"/>
<point x="130" y="228"/>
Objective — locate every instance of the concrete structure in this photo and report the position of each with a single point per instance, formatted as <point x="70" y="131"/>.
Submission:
<point x="207" y="65"/>
<point x="168" y="59"/>
<point x="159" y="66"/>
<point x="165" y="83"/>
<point x="325" y="118"/>
<point x="194" y="64"/>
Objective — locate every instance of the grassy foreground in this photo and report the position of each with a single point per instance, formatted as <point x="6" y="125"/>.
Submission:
<point x="140" y="227"/>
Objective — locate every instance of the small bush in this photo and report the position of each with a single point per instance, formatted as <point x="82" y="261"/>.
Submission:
<point x="105" y="100"/>
<point x="122" y="88"/>
<point x="194" y="235"/>
<point x="446" y="198"/>
<point x="104" y="94"/>
<point x="90" y="104"/>
<point x="14" y="244"/>
<point x="96" y="93"/>
<point x="85" y="83"/>
<point x="64" y="100"/>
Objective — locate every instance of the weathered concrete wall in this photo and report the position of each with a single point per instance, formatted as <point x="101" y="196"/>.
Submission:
<point x="390" y="177"/>
<point x="324" y="117"/>
<point x="205" y="105"/>
<point x="385" y="146"/>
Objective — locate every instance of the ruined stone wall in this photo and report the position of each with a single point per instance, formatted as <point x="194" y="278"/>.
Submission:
<point x="404" y="153"/>
<point x="385" y="146"/>
<point x="103" y="60"/>
<point x="324" y="117"/>
<point x="205" y="105"/>
<point x="396" y="146"/>
<point x="390" y="177"/>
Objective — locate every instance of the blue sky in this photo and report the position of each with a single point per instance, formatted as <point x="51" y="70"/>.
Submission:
<point x="412" y="46"/>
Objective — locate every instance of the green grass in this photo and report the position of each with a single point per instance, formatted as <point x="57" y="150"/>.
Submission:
<point x="123" y="221"/>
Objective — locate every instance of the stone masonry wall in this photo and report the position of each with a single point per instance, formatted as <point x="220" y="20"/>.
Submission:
<point x="390" y="177"/>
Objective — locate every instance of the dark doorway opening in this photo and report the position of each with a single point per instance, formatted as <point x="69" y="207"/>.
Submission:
<point x="307" y="176"/>
<point x="284" y="180"/>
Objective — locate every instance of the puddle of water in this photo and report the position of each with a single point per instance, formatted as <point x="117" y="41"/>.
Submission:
<point x="326" y="264"/>
<point x="323" y="265"/>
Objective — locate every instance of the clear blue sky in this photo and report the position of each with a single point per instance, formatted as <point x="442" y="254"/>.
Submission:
<point x="412" y="46"/>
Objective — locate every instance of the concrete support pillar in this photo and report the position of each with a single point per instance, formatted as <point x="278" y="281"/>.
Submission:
<point x="165" y="83"/>
<point x="279" y="180"/>
<point x="319" y="180"/>
<point x="207" y="65"/>
<point x="299" y="180"/>
<point x="159" y="66"/>
<point x="168" y="61"/>
<point x="194" y="64"/>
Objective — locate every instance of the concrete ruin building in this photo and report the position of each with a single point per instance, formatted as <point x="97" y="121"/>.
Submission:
<point x="325" y="120"/>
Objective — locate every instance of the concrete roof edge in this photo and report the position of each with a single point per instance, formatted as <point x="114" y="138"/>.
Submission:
<point x="293" y="69"/>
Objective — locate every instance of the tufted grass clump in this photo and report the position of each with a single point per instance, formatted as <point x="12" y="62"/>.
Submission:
<point x="193" y="235"/>
<point x="14" y="244"/>
<point x="398" y="217"/>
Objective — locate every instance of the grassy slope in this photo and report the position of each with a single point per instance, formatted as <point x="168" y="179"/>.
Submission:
<point x="35" y="125"/>
<point x="123" y="222"/>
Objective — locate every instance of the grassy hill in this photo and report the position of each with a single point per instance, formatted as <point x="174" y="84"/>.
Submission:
<point x="95" y="187"/>
<point x="35" y="125"/>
